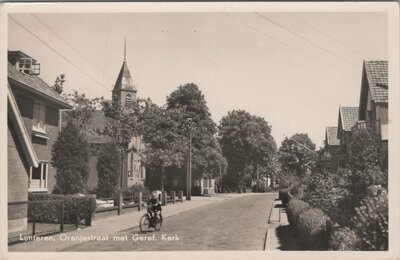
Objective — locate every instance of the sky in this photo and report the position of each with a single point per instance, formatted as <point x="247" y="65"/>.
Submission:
<point x="293" y="69"/>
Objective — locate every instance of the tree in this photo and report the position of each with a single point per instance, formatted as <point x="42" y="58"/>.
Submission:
<point x="108" y="170"/>
<point x="70" y="156"/>
<point x="122" y="126"/>
<point x="364" y="150"/>
<point x="165" y="147"/>
<point x="59" y="83"/>
<point x="82" y="110"/>
<point x="247" y="144"/>
<point x="297" y="154"/>
<point x="190" y="104"/>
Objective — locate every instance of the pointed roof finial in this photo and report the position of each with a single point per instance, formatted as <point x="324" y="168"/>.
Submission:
<point x="125" y="50"/>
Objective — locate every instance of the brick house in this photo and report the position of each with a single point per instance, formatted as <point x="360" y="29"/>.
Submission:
<point x="33" y="127"/>
<point x="374" y="102"/>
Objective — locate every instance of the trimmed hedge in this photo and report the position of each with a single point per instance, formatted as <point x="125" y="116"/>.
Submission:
<point x="50" y="212"/>
<point x="284" y="196"/>
<point x="294" y="209"/>
<point x="312" y="229"/>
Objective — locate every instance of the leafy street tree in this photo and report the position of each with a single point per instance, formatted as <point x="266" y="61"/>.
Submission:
<point x="70" y="156"/>
<point x="165" y="147"/>
<point x="297" y="155"/>
<point x="108" y="170"/>
<point x="188" y="100"/>
<point x="247" y="144"/>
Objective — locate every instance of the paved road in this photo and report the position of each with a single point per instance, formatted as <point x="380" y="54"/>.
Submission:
<point x="235" y="224"/>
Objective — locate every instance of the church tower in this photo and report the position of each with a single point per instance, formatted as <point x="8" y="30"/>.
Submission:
<point x="124" y="89"/>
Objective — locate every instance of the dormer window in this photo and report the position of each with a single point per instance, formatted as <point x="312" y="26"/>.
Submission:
<point x="28" y="66"/>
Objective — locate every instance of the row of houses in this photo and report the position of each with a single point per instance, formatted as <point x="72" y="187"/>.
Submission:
<point x="371" y="112"/>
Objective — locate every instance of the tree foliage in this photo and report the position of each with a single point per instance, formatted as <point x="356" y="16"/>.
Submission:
<point x="165" y="147"/>
<point x="189" y="102"/>
<point x="82" y="110"/>
<point x="108" y="170"/>
<point x="364" y="150"/>
<point x="70" y="156"/>
<point x="296" y="154"/>
<point x="247" y="144"/>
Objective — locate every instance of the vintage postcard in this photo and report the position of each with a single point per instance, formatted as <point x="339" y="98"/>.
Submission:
<point x="217" y="130"/>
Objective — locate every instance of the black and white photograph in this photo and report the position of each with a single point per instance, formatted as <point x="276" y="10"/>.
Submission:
<point x="219" y="127"/>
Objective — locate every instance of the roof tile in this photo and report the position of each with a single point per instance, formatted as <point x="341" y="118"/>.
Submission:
<point x="377" y="74"/>
<point x="35" y="83"/>
<point x="349" y="117"/>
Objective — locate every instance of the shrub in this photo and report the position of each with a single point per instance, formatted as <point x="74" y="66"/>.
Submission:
<point x="312" y="229"/>
<point x="345" y="239"/>
<point x="324" y="191"/>
<point x="294" y="209"/>
<point x="70" y="156"/>
<point x="371" y="219"/>
<point x="49" y="212"/>
<point x="108" y="170"/>
<point x="284" y="196"/>
<point x="297" y="191"/>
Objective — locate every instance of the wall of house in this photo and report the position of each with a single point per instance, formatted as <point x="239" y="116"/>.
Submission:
<point x="18" y="177"/>
<point x="382" y="114"/>
<point x="92" y="179"/>
<point x="42" y="147"/>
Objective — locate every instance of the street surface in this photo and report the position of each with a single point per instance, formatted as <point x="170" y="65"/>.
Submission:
<point x="235" y="224"/>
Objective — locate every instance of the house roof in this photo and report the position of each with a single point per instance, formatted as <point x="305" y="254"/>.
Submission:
<point x="36" y="85"/>
<point x="22" y="133"/>
<point x="348" y="117"/>
<point x="331" y="135"/>
<point x="377" y="75"/>
<point x="124" y="80"/>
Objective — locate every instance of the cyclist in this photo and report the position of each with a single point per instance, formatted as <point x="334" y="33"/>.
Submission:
<point x="154" y="206"/>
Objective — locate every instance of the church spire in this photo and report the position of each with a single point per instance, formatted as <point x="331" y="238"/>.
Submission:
<point x="125" y="50"/>
<point x="124" y="87"/>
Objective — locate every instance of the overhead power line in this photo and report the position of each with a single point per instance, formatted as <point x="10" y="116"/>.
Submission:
<point x="288" y="46"/>
<point x="59" y="54"/>
<point x="68" y="44"/>
<point x="328" y="36"/>
<point x="308" y="40"/>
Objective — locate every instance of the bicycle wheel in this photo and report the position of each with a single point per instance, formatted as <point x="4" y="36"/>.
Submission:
<point x="144" y="224"/>
<point x="157" y="223"/>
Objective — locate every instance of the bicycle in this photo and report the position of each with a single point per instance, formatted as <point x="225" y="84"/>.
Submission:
<point x="147" y="221"/>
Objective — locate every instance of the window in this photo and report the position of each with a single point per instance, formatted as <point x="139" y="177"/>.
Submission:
<point x="142" y="171"/>
<point x="39" y="118"/>
<point x="128" y="99"/>
<point x="38" y="177"/>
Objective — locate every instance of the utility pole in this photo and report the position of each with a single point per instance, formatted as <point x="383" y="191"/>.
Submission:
<point x="189" y="167"/>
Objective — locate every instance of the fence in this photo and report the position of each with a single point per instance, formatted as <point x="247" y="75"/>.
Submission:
<point x="134" y="201"/>
<point x="53" y="221"/>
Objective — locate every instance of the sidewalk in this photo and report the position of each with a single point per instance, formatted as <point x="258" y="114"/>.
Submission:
<point x="114" y="224"/>
<point x="280" y="237"/>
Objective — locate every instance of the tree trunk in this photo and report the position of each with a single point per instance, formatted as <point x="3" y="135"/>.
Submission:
<point x="162" y="178"/>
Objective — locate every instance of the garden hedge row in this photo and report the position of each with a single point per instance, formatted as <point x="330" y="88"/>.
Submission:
<point x="50" y="212"/>
<point x="309" y="224"/>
